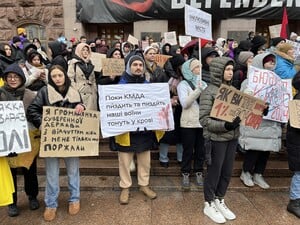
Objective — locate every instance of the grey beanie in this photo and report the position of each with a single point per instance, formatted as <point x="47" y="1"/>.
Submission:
<point x="244" y="56"/>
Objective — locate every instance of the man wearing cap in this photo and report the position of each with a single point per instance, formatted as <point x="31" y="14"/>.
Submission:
<point x="139" y="142"/>
<point x="154" y="73"/>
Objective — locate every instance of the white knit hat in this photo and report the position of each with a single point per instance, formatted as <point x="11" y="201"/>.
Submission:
<point x="293" y="34"/>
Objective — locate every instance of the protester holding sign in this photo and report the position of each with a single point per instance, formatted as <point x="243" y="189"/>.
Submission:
<point x="221" y="138"/>
<point x="139" y="142"/>
<point x="14" y="89"/>
<point x="81" y="73"/>
<point x="189" y="90"/>
<point x="293" y="149"/>
<point x="154" y="73"/>
<point x="258" y="143"/>
<point x="59" y="93"/>
<point x="113" y="53"/>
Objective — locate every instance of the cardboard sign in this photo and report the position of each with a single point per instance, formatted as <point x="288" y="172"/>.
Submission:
<point x="113" y="67"/>
<point x="197" y="23"/>
<point x="14" y="135"/>
<point x="145" y="44"/>
<point x="230" y="103"/>
<point x="131" y="107"/>
<point x="266" y="85"/>
<point x="170" y="37"/>
<point x="183" y="40"/>
<point x="296" y="47"/>
<point x="294" y="112"/>
<point x="275" y="30"/>
<point x="133" y="40"/>
<point x="96" y="59"/>
<point x="66" y="134"/>
<point x="161" y="59"/>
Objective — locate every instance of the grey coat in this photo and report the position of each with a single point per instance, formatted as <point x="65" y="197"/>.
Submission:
<point x="268" y="136"/>
<point x="214" y="128"/>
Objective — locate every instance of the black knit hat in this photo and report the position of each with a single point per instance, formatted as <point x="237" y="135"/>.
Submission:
<point x="176" y="61"/>
<point x="275" y="41"/>
<point x="16" y="39"/>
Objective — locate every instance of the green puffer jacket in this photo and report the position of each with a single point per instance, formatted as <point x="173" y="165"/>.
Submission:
<point x="213" y="128"/>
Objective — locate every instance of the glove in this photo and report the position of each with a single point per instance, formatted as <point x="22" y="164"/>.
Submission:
<point x="12" y="154"/>
<point x="232" y="125"/>
<point x="266" y="111"/>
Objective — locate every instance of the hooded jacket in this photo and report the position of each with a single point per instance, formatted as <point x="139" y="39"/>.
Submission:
<point x="268" y="136"/>
<point x="214" y="129"/>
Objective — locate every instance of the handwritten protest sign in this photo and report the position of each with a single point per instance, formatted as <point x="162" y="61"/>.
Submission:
<point x="197" y="23"/>
<point x="296" y="47"/>
<point x="128" y="107"/>
<point x="133" y="40"/>
<point x="145" y="44"/>
<point x="230" y="103"/>
<point x="112" y="67"/>
<point x="294" y="113"/>
<point x="266" y="85"/>
<point x="275" y="30"/>
<point x="66" y="134"/>
<point x="161" y="59"/>
<point x="96" y="59"/>
<point x="183" y="40"/>
<point x="14" y="135"/>
<point x="170" y="37"/>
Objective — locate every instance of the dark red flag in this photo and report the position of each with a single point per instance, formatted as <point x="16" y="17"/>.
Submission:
<point x="284" y="25"/>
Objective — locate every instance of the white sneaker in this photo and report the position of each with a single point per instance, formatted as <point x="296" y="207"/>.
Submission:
<point x="247" y="179"/>
<point x="132" y="166"/>
<point x="260" y="181"/>
<point x="221" y="206"/>
<point x="213" y="213"/>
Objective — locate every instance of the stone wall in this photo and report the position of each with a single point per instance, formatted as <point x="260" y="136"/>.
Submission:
<point x="16" y="13"/>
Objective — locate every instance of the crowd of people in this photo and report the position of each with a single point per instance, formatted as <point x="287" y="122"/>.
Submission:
<point x="63" y="76"/>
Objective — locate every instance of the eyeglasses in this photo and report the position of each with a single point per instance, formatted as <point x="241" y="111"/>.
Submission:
<point x="13" y="77"/>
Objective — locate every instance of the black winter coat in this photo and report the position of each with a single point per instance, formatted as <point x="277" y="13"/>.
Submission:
<point x="293" y="145"/>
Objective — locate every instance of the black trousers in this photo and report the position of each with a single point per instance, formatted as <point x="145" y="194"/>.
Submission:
<point x="219" y="172"/>
<point x="255" y="161"/>
<point x="30" y="181"/>
<point x="193" y="149"/>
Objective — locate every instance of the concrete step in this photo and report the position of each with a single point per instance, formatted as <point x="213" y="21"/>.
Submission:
<point x="109" y="167"/>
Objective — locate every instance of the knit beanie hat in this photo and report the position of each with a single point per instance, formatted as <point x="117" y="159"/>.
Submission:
<point x="21" y="30"/>
<point x="269" y="58"/>
<point x="176" y="61"/>
<point x="285" y="47"/>
<point x="131" y="60"/>
<point x="244" y="56"/>
<point x="275" y="41"/>
<point x="148" y="48"/>
<point x="16" y="39"/>
<point x="194" y="63"/>
<point x="293" y="34"/>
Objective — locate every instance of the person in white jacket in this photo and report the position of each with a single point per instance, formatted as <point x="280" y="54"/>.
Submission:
<point x="189" y="90"/>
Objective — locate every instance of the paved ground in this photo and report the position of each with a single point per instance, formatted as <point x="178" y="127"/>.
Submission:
<point x="99" y="205"/>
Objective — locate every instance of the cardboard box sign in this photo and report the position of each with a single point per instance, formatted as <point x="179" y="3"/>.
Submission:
<point x="230" y="103"/>
<point x="294" y="113"/>
<point x="96" y="59"/>
<point x="113" y="67"/>
<point x="161" y="59"/>
<point x="66" y="134"/>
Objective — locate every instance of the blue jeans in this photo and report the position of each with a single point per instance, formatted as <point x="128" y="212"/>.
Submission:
<point x="163" y="152"/>
<point x="295" y="186"/>
<point x="52" y="180"/>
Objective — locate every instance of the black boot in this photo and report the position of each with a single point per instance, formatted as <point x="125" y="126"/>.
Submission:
<point x="13" y="210"/>
<point x="33" y="203"/>
<point x="294" y="207"/>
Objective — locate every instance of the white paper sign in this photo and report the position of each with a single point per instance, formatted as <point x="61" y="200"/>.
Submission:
<point x="183" y="40"/>
<point x="131" y="107"/>
<point x="197" y="23"/>
<point x="296" y="47"/>
<point x="268" y="86"/>
<point x="275" y="30"/>
<point x="170" y="37"/>
<point x="14" y="135"/>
